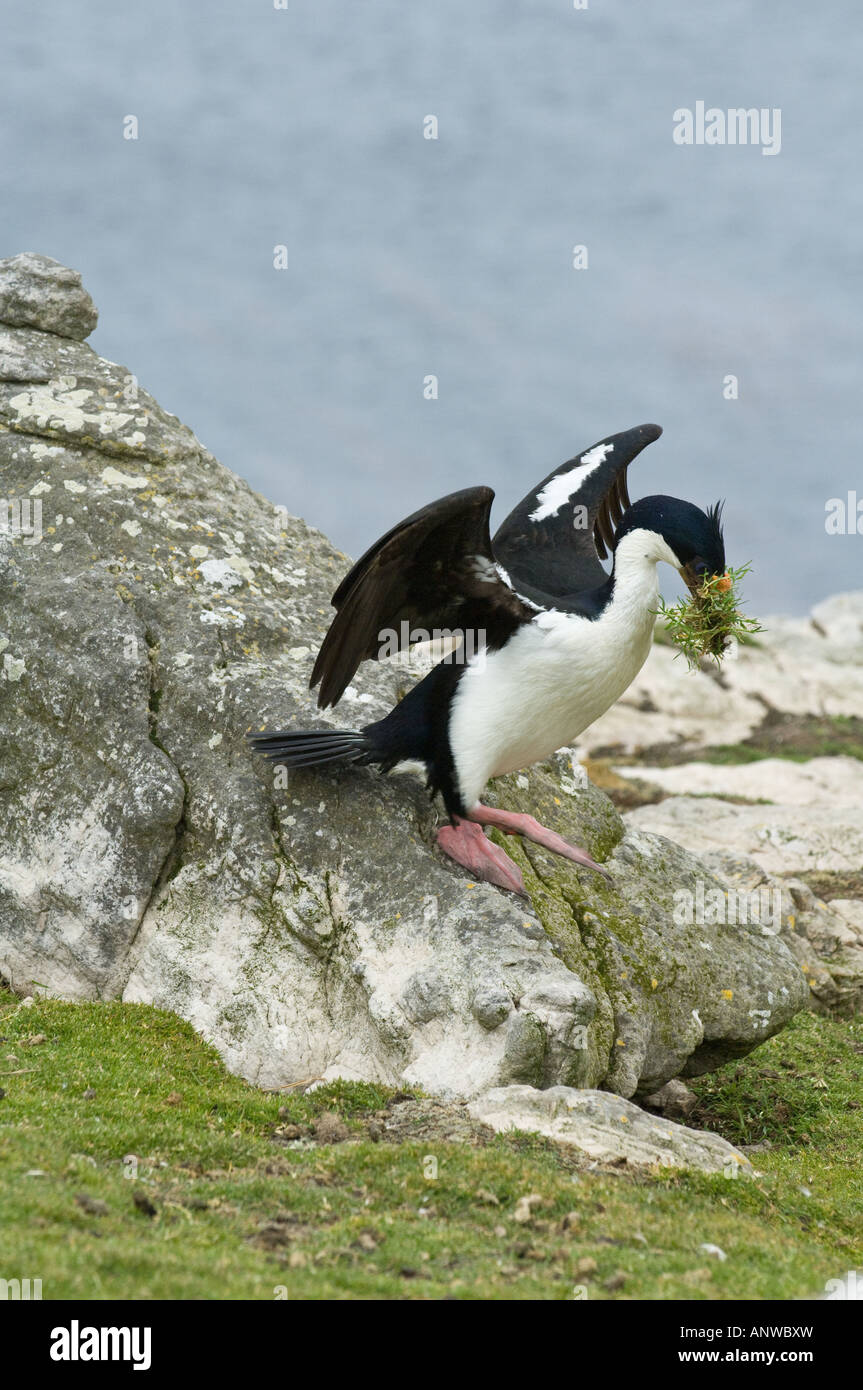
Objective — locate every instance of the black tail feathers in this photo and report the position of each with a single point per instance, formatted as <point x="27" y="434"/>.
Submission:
<point x="310" y="747"/>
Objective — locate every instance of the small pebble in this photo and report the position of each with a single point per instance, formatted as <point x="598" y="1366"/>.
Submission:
<point x="330" y="1128"/>
<point x="93" y="1205"/>
<point x="714" y="1250"/>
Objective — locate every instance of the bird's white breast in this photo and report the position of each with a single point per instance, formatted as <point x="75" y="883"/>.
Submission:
<point x="555" y="676"/>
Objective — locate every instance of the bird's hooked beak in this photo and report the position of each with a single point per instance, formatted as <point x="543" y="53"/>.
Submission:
<point x="695" y="573"/>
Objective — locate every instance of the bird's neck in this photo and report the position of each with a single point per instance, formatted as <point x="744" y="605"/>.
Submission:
<point x="636" y="582"/>
<point x="635" y="560"/>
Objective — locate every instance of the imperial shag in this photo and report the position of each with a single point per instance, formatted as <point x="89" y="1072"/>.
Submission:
<point x="548" y="639"/>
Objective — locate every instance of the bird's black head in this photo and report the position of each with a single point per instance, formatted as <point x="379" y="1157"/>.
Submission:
<point x="694" y="537"/>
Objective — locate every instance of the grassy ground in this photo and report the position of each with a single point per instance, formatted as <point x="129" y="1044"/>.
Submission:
<point x="133" y="1166"/>
<point x="796" y="737"/>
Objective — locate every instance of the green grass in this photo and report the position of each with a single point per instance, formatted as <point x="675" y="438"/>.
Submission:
<point x="228" y="1210"/>
<point x="703" y="625"/>
<point x="796" y="737"/>
<point x="663" y="638"/>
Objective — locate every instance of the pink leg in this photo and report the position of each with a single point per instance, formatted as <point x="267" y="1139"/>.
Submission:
<point x="514" y="823"/>
<point x="467" y="845"/>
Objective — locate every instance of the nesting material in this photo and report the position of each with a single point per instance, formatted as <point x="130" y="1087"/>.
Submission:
<point x="709" y="622"/>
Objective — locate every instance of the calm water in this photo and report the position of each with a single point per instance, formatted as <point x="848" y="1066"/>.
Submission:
<point x="410" y="257"/>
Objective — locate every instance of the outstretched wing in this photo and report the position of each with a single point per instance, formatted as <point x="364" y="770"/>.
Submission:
<point x="435" y="570"/>
<point x="552" y="542"/>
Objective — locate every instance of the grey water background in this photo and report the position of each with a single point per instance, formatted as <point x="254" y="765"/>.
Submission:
<point x="410" y="257"/>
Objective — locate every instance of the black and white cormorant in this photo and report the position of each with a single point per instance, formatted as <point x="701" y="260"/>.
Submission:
<point x="554" y="638"/>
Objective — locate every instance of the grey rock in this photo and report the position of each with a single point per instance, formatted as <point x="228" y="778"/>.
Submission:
<point x="832" y="781"/>
<point x="425" y="996"/>
<point x="826" y="938"/>
<point x="491" y="1004"/>
<point x="37" y="292"/>
<point x="309" y="928"/>
<point x="61" y="394"/>
<point x="781" y="839"/>
<point x="606" y="1128"/>
<point x="674" y="1100"/>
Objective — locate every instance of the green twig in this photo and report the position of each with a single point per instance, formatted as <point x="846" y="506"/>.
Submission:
<point x="710" y="620"/>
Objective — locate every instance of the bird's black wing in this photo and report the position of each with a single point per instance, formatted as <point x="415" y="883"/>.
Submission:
<point x="551" y="544"/>
<point x="435" y="570"/>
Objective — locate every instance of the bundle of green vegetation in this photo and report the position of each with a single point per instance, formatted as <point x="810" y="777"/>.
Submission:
<point x="709" y="622"/>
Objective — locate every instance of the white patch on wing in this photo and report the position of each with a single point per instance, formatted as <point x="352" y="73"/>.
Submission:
<point x="489" y="571"/>
<point x="485" y="569"/>
<point x="562" y="487"/>
<point x="529" y="603"/>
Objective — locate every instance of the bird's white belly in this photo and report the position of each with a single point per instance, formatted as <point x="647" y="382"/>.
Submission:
<point x="556" y="676"/>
